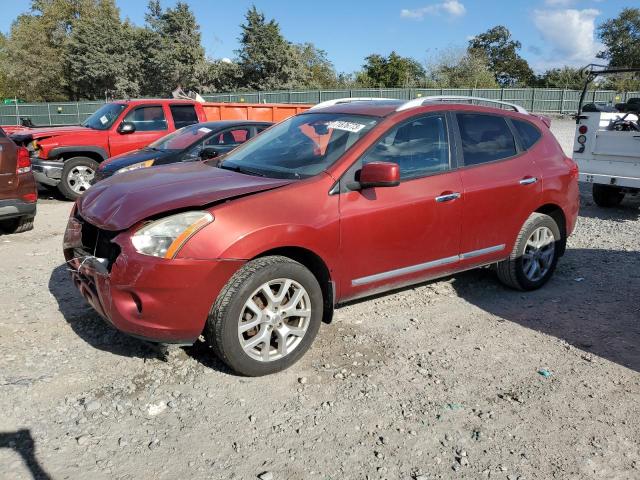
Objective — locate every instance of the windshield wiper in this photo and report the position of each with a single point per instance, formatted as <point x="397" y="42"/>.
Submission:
<point x="239" y="169"/>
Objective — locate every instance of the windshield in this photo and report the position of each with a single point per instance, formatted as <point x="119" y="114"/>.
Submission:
<point x="181" y="139"/>
<point x="301" y="146"/>
<point x="104" y="117"/>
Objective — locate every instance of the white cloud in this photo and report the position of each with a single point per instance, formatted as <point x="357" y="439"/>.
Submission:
<point x="559" y="3"/>
<point x="225" y="60"/>
<point x="570" y="34"/>
<point x="452" y="8"/>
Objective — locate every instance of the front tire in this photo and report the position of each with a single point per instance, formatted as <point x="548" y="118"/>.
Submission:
<point x="607" y="196"/>
<point x="266" y="317"/>
<point x="534" y="256"/>
<point x="17" y="225"/>
<point x="77" y="175"/>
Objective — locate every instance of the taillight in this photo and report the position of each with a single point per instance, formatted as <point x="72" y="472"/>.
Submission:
<point x="24" y="162"/>
<point x="30" y="197"/>
<point x="582" y="129"/>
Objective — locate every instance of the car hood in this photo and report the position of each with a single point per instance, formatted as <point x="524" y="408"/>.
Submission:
<point x="124" y="160"/>
<point x="46" y="132"/>
<point x="121" y="201"/>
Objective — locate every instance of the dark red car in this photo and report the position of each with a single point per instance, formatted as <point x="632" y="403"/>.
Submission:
<point x="339" y="202"/>
<point x="18" y="194"/>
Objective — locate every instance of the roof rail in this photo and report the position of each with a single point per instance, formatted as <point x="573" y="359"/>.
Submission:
<point x="420" y="101"/>
<point x="336" y="101"/>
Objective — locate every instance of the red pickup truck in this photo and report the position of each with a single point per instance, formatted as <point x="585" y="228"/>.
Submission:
<point x="67" y="157"/>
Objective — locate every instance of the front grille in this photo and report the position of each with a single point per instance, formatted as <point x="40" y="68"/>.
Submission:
<point x="97" y="242"/>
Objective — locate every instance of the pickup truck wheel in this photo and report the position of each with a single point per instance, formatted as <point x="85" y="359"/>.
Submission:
<point x="266" y="317"/>
<point x="17" y="225"/>
<point x="534" y="255"/>
<point x="77" y="175"/>
<point x="607" y="195"/>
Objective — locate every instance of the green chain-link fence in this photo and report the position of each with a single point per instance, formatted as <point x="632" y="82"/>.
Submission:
<point x="542" y="100"/>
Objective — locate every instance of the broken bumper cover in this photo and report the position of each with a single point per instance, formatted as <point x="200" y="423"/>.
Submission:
<point x="155" y="299"/>
<point x="46" y="172"/>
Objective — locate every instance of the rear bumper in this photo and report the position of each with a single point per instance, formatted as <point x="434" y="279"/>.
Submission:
<point x="147" y="297"/>
<point x="46" y="172"/>
<point x="616" y="181"/>
<point x="14" y="207"/>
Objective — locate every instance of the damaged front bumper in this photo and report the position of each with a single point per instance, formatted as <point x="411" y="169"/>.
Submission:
<point x="46" y="172"/>
<point x="155" y="299"/>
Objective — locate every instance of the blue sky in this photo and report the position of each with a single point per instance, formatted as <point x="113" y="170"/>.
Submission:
<point x="552" y="32"/>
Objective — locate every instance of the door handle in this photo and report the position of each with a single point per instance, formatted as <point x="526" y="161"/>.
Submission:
<point x="447" y="197"/>
<point x="528" y="181"/>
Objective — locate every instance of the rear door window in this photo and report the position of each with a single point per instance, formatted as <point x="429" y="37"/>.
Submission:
<point x="147" y="119"/>
<point x="485" y="138"/>
<point x="183" y="115"/>
<point x="420" y="147"/>
<point x="235" y="136"/>
<point x="529" y="134"/>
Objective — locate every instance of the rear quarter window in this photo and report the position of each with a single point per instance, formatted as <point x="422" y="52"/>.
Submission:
<point x="485" y="138"/>
<point x="528" y="133"/>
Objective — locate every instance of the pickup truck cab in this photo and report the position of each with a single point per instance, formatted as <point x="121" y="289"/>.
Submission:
<point x="67" y="157"/>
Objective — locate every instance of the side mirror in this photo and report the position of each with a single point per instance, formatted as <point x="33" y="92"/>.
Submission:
<point x="379" y="174"/>
<point x="126" y="127"/>
<point x="207" y="153"/>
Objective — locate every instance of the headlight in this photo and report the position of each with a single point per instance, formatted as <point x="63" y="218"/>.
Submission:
<point x="135" y="166"/>
<point x="163" y="238"/>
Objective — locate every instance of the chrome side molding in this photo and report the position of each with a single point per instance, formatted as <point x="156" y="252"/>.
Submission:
<point x="398" y="272"/>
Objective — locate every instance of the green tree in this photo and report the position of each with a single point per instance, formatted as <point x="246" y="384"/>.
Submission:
<point x="621" y="39"/>
<point x="501" y="52"/>
<point x="35" y="46"/>
<point x="268" y="61"/>
<point x="565" y="77"/>
<point x="171" y="49"/>
<point x="5" y="90"/>
<point x="221" y="76"/>
<point x="318" y="70"/>
<point x="100" y="56"/>
<point x="391" y="72"/>
<point x="455" y="68"/>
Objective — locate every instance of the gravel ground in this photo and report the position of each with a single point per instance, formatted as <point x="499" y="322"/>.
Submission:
<point x="459" y="378"/>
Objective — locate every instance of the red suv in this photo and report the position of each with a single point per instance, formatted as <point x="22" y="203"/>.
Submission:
<point x="340" y="202"/>
<point x="18" y="193"/>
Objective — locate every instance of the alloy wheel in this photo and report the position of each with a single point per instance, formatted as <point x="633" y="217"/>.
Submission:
<point x="538" y="254"/>
<point x="274" y="319"/>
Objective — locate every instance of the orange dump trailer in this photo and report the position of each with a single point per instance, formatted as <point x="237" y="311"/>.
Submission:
<point x="267" y="112"/>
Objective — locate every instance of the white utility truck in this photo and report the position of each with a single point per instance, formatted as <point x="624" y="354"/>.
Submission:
<point x="607" y="144"/>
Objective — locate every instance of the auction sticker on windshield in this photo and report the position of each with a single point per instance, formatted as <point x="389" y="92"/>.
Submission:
<point x="104" y="119"/>
<point x="346" y="126"/>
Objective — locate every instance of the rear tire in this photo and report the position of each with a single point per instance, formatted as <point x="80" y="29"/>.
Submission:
<point x="534" y="255"/>
<point x="266" y="317"/>
<point x="607" y="195"/>
<point x="17" y="225"/>
<point x="77" y="175"/>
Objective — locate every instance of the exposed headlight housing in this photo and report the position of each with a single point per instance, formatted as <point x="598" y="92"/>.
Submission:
<point x="135" y="166"/>
<point x="164" y="238"/>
